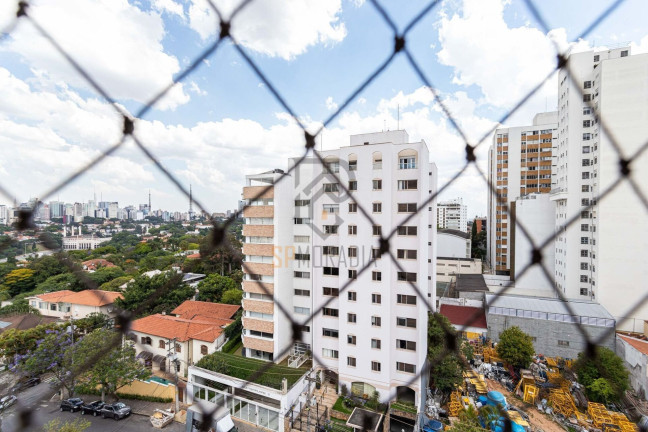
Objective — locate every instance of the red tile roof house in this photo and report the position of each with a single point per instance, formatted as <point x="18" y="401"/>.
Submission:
<point x="94" y="264"/>
<point x="197" y="327"/>
<point x="473" y="318"/>
<point x="69" y="304"/>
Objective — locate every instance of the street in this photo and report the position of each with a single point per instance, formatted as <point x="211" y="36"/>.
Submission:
<point x="36" y="400"/>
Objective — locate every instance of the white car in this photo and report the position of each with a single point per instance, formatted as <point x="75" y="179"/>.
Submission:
<point x="7" y="401"/>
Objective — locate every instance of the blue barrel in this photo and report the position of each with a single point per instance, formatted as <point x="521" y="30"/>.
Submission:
<point x="497" y="398"/>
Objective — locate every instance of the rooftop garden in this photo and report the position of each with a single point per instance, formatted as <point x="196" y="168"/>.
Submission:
<point x="246" y="368"/>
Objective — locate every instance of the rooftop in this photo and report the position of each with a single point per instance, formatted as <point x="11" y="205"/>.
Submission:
<point x="192" y="308"/>
<point x="24" y="321"/>
<point x="638" y="344"/>
<point x="87" y="297"/>
<point x="170" y="327"/>
<point x="471" y="282"/>
<point x="461" y="316"/>
<point x="550" y="305"/>
<point x="453" y="232"/>
<point x="93" y="264"/>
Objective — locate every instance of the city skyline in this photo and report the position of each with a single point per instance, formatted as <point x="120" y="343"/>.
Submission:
<point x="213" y="145"/>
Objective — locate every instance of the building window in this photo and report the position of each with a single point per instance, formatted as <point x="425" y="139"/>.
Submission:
<point x="377" y="230"/>
<point x="406" y="322"/>
<point x="161" y="344"/>
<point x="407" y="184"/>
<point x="302" y="203"/>
<point x="330" y="312"/>
<point x="596" y="58"/>
<point x="376" y="276"/>
<point x="203" y="349"/>
<point x="377" y="207"/>
<point x="407" y="230"/>
<point x="586" y="175"/>
<point x="375" y="366"/>
<point x="351" y="361"/>
<point x="331" y="271"/>
<point x="352" y="318"/>
<point x="587" y="84"/>
<point x="302" y="257"/>
<point x="53" y="306"/>
<point x="376" y="321"/>
<point x="585" y="214"/>
<point x="405" y="345"/>
<point x="406" y="207"/>
<point x="377" y="185"/>
<point x="406" y="277"/>
<point x="353" y="208"/>
<point x="409" y="254"/>
<point x="587" y="97"/>
<point x="353" y="274"/>
<point x="353" y="230"/>
<point x="405" y="367"/>
<point x="330" y="250"/>
<point x="333" y="292"/>
<point x="376" y="298"/>
<point x="351" y="339"/>
<point x="563" y="343"/>
<point x="408" y="162"/>
<point x="624" y="53"/>
<point x="353" y="252"/>
<point x="375" y="253"/>
<point x="301" y="275"/>
<point x="330" y="333"/>
<point x="585" y="162"/>
<point x="302" y="293"/>
<point x="353" y="165"/>
<point x="353" y="185"/>
<point x="375" y="343"/>
<point x="330" y="229"/>
<point x="583" y="278"/>
<point x="587" y="136"/>
<point x="302" y="310"/>
<point x="329" y="353"/>
<point x="146" y="340"/>
<point x="584" y="266"/>
<point x="330" y="187"/>
<point x="584" y="291"/>
<point x="352" y="296"/>
<point x="405" y="299"/>
<point x="584" y="253"/>
<point x="584" y="227"/>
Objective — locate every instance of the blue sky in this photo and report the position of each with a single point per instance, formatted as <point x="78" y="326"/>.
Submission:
<point x="222" y="123"/>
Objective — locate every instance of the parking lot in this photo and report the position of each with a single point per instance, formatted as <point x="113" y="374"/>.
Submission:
<point x="37" y="401"/>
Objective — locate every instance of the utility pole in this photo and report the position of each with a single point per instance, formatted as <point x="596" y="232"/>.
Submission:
<point x="173" y="360"/>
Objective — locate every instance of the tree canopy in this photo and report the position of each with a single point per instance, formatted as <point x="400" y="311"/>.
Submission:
<point x="515" y="347"/>
<point x="445" y="372"/>
<point x="605" y="378"/>
<point x="150" y="295"/>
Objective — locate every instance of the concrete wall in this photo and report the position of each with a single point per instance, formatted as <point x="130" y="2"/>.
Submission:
<point x="452" y="246"/>
<point x="446" y="270"/>
<point x="148" y="388"/>
<point x="547" y="334"/>
<point x="636" y="363"/>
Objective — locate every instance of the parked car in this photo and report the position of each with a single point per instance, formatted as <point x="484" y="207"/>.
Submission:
<point x="7" y="401"/>
<point x="72" y="404"/>
<point x="93" y="408"/>
<point x="30" y="382"/>
<point x="116" y="411"/>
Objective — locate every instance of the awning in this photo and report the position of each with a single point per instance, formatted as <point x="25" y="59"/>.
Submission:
<point x="145" y="355"/>
<point x="159" y="358"/>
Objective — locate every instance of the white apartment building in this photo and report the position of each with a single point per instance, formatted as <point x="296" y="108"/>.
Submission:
<point x="602" y="256"/>
<point x="520" y="163"/>
<point x="372" y="336"/>
<point x="452" y="214"/>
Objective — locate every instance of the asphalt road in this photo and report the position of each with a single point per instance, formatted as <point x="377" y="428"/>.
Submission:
<point x="36" y="401"/>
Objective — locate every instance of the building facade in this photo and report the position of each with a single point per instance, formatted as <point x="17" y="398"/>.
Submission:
<point x="601" y="256"/>
<point x="371" y="336"/>
<point x="520" y="163"/>
<point x="452" y="214"/>
<point x="69" y="304"/>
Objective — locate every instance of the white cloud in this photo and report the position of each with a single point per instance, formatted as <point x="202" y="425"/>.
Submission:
<point x="274" y="27"/>
<point x="117" y="43"/>
<point x="193" y="87"/>
<point x="641" y="47"/>
<point x="170" y="7"/>
<point x="330" y="104"/>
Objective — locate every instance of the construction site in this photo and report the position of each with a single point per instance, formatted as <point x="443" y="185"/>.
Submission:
<point x="544" y="397"/>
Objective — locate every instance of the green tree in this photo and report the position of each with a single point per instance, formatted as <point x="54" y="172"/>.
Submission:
<point x="56" y="425"/>
<point x="223" y="259"/>
<point x="94" y="321"/>
<point x="115" y="284"/>
<point x="14" y="344"/>
<point x="50" y="356"/>
<point x="515" y="347"/>
<point x="65" y="281"/>
<point x="114" y="367"/>
<point x="607" y="366"/>
<point x="106" y="274"/>
<point x="19" y="280"/>
<point x="18" y="307"/>
<point x="163" y="292"/>
<point x="233" y="296"/>
<point x="213" y="286"/>
<point x="446" y="371"/>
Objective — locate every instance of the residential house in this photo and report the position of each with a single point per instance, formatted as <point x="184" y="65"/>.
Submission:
<point x="69" y="304"/>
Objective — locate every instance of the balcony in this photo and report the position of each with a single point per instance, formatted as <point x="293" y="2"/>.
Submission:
<point x="266" y="307"/>
<point x="258" y="230"/>
<point x="251" y="192"/>
<point x="259" y="211"/>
